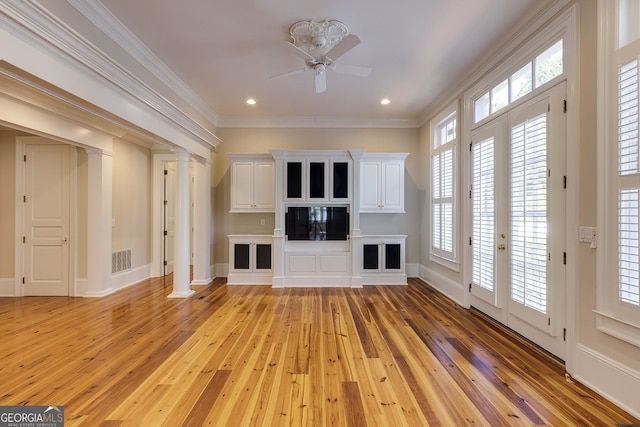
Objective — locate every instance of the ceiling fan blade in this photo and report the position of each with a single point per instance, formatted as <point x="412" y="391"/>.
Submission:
<point x="289" y="73"/>
<point x="354" y="70"/>
<point x="320" y="81"/>
<point x="299" y="52"/>
<point x="346" y="44"/>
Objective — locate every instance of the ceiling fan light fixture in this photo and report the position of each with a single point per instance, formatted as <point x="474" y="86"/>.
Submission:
<point x="251" y="101"/>
<point x="385" y="101"/>
<point x="317" y="38"/>
<point x="319" y="44"/>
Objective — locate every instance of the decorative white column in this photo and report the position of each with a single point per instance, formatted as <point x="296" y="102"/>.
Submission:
<point x="99" y="231"/>
<point x="279" y="230"/>
<point x="202" y="223"/>
<point x="356" y="233"/>
<point x="182" y="258"/>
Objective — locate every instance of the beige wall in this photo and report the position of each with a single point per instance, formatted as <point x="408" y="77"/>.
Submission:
<point x="131" y="203"/>
<point x="7" y="207"/>
<point x="250" y="140"/>
<point x="132" y="165"/>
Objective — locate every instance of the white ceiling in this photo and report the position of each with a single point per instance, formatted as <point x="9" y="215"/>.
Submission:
<point x="227" y="51"/>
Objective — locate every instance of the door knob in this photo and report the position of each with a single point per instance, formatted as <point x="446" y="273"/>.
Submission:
<point x="502" y="246"/>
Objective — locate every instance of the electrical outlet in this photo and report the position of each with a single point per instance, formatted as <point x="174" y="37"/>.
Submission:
<point x="262" y="221"/>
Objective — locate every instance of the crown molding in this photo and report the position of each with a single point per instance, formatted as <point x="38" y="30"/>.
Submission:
<point x="110" y="25"/>
<point x="37" y="26"/>
<point x="316" y="122"/>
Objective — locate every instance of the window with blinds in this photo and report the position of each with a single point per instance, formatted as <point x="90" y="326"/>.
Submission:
<point x="443" y="184"/>
<point x="483" y="206"/>
<point x="618" y="280"/>
<point x="529" y="213"/>
<point x="628" y="195"/>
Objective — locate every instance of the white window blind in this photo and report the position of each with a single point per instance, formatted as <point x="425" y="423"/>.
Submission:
<point x="483" y="206"/>
<point x="628" y="240"/>
<point x="628" y="197"/>
<point x="529" y="213"/>
<point x="443" y="200"/>
<point x="628" y="118"/>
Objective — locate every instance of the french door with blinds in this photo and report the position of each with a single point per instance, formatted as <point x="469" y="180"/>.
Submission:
<point x="517" y="198"/>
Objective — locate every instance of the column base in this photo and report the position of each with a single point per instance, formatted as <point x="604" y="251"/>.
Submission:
<point x="183" y="294"/>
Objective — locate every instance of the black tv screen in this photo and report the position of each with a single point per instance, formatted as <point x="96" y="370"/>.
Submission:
<point x="317" y="223"/>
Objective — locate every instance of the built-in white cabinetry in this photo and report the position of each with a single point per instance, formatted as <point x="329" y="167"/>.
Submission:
<point x="382" y="183"/>
<point x="317" y="178"/>
<point x="250" y="259"/>
<point x="383" y="259"/>
<point x="317" y="197"/>
<point x="252" y="183"/>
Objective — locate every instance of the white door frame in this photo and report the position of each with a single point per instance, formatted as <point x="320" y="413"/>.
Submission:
<point x="21" y="142"/>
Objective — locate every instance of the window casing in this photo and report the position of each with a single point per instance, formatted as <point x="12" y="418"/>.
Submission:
<point x="618" y="304"/>
<point x="444" y="169"/>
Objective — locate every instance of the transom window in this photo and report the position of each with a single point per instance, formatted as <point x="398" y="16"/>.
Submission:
<point x="543" y="68"/>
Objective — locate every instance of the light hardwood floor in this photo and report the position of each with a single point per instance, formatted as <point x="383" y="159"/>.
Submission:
<point x="256" y="356"/>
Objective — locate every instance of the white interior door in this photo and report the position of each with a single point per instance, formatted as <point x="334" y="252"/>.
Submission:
<point x="518" y="219"/>
<point x="46" y="219"/>
<point x="169" y="215"/>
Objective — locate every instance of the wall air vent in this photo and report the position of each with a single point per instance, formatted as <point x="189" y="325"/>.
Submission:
<point x="121" y="261"/>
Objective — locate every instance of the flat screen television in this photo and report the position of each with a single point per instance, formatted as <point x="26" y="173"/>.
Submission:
<point x="317" y="223"/>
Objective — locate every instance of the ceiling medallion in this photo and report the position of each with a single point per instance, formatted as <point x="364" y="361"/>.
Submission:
<point x="317" y="38"/>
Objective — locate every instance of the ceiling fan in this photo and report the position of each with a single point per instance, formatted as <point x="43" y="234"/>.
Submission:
<point x="320" y="44"/>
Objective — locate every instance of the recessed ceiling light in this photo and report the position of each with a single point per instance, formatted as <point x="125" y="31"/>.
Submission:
<point x="251" y="101"/>
<point x="385" y="101"/>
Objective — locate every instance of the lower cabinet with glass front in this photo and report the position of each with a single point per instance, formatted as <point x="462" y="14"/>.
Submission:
<point x="383" y="260"/>
<point x="250" y="260"/>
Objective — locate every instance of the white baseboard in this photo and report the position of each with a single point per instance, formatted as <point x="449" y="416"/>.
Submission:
<point x="119" y="281"/>
<point x="81" y="286"/>
<point x="609" y="378"/>
<point x="384" y="279"/>
<point x="7" y="287"/>
<point x="249" y="279"/>
<point x="443" y="284"/>
<point x="222" y="270"/>
<point x="127" y="278"/>
<point x="317" y="282"/>
<point x="98" y="294"/>
<point x="413" y="270"/>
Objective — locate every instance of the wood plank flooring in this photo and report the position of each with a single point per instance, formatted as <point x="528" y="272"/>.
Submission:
<point x="256" y="356"/>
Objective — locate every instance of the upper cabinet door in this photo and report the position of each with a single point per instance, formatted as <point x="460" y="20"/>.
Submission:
<point x="307" y="180"/>
<point x="392" y="186"/>
<point x="241" y="185"/>
<point x="382" y="184"/>
<point x="294" y="178"/>
<point x="340" y="186"/>
<point x="252" y="185"/>
<point x="264" y="186"/>
<point x="370" y="176"/>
